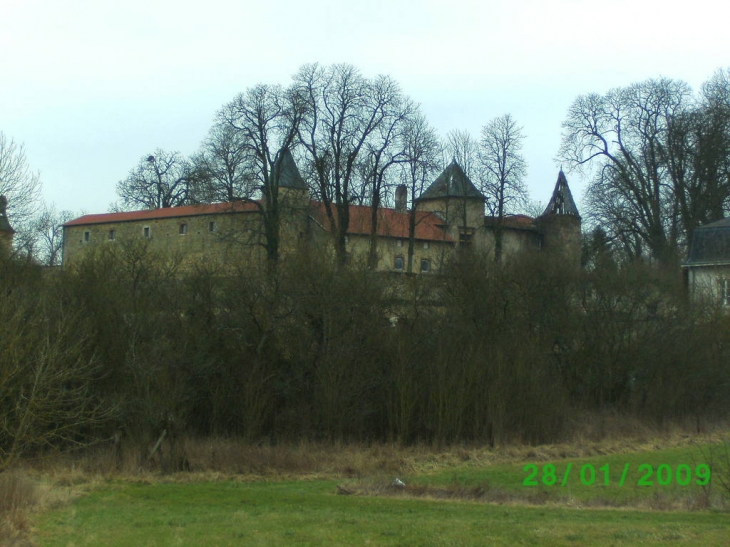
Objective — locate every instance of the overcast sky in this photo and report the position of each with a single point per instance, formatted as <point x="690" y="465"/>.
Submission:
<point x="92" y="86"/>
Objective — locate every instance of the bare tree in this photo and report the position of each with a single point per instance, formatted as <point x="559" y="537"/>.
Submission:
<point x="421" y="152"/>
<point x="624" y="137"/>
<point x="459" y="145"/>
<point x="384" y="150"/>
<point x="46" y="374"/>
<point x="20" y="185"/>
<point x="252" y="135"/>
<point x="344" y="110"/>
<point x="504" y="170"/>
<point x="165" y="179"/>
<point x="48" y="235"/>
<point x="227" y="175"/>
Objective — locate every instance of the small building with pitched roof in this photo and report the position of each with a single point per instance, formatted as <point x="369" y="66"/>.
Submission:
<point x="707" y="269"/>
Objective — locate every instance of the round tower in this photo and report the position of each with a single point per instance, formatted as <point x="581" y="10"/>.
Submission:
<point x="6" y="231"/>
<point x="560" y="225"/>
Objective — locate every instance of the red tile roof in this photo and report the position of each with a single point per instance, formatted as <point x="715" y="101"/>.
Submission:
<point x="390" y="223"/>
<point x="168" y="212"/>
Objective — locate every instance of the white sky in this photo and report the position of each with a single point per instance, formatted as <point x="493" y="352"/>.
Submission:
<point x="92" y="86"/>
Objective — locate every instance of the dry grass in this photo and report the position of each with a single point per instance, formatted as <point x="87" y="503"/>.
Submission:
<point x="489" y="494"/>
<point x="24" y="493"/>
<point x="18" y="496"/>
<point x="226" y="458"/>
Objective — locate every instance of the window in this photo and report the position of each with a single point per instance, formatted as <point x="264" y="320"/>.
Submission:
<point x="183" y="229"/>
<point x="725" y="291"/>
<point x="87" y="236"/>
<point x="465" y="237"/>
<point x="211" y="226"/>
<point x="425" y="265"/>
<point x="425" y="244"/>
<point x="146" y="231"/>
<point x="112" y="235"/>
<point x="399" y="263"/>
<point x="399" y="243"/>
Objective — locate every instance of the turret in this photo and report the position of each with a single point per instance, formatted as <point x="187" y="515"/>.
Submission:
<point x="6" y="231"/>
<point x="454" y="198"/>
<point x="293" y="191"/>
<point x="559" y="225"/>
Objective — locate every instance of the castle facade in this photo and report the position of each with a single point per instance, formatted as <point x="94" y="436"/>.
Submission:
<point x="449" y="216"/>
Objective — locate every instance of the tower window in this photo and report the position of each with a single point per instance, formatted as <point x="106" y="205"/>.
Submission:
<point x="465" y="238"/>
<point x="725" y="291"/>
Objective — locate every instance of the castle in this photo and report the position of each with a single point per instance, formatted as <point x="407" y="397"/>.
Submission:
<point x="449" y="215"/>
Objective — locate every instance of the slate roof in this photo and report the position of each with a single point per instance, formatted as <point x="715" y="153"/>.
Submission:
<point x="289" y="175"/>
<point x="710" y="244"/>
<point x="561" y="202"/>
<point x="452" y="183"/>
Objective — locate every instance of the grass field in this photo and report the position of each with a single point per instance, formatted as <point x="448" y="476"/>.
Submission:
<point x="470" y="502"/>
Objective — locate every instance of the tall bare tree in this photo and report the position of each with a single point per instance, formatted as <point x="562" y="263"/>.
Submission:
<point x="163" y="179"/>
<point x="21" y="186"/>
<point x="504" y="169"/>
<point x="344" y="110"/>
<point x="48" y="235"/>
<point x="251" y="134"/>
<point x="623" y="137"/>
<point x="421" y="160"/>
<point x="384" y="150"/>
<point x="222" y="161"/>
<point x="461" y="146"/>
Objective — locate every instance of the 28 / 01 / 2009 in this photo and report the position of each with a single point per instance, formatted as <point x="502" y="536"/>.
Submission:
<point x="682" y="474"/>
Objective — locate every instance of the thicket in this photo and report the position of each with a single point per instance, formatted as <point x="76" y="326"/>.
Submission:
<point x="130" y="344"/>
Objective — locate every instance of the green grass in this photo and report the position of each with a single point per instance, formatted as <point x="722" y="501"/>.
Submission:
<point x="302" y="513"/>
<point x="509" y="478"/>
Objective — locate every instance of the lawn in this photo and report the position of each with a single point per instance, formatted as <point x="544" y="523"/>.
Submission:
<point x="310" y="512"/>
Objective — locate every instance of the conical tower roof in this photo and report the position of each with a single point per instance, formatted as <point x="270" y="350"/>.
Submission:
<point x="4" y="222"/>
<point x="452" y="183"/>
<point x="561" y="203"/>
<point x="288" y="173"/>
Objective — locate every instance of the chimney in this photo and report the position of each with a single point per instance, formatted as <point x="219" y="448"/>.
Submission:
<point x="401" y="198"/>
